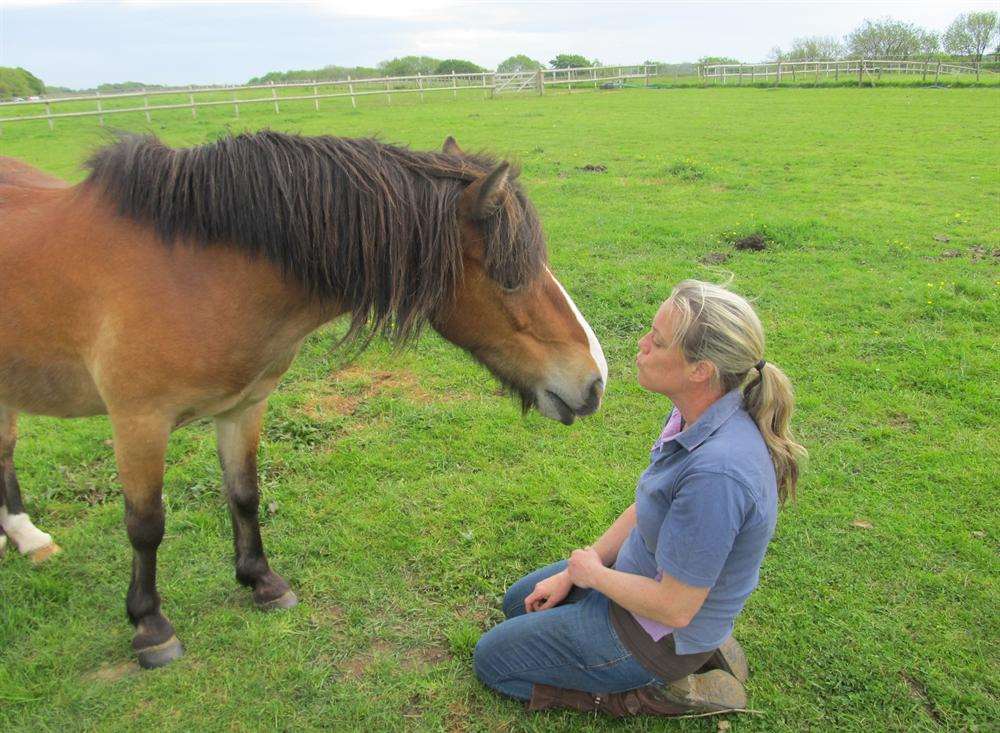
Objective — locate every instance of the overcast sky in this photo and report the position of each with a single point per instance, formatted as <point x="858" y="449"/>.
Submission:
<point x="81" y="44"/>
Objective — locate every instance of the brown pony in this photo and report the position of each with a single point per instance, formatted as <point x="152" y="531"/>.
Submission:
<point x="173" y="285"/>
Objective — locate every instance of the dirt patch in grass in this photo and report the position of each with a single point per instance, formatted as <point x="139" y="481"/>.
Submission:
<point x="753" y="242"/>
<point x="919" y="692"/>
<point x="686" y="170"/>
<point x="713" y="258"/>
<point x="979" y="253"/>
<point x="361" y="385"/>
<point x="355" y="667"/>
<point x="424" y="656"/>
<point x="594" y="168"/>
<point x="113" y="672"/>
<point x="900" y="421"/>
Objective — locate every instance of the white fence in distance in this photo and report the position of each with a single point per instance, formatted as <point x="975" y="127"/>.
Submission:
<point x="491" y="83"/>
<point x="861" y="69"/>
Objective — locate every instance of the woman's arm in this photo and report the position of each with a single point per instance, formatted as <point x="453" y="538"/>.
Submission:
<point x="551" y="591"/>
<point x="668" y="600"/>
<point x="614" y="537"/>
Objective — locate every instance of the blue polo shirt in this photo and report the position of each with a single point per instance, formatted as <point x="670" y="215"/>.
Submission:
<point x="706" y="507"/>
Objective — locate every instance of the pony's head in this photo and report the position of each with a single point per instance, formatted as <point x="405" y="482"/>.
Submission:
<point x="508" y="309"/>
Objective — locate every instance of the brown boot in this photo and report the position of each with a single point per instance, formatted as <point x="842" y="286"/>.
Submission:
<point x="546" y="697"/>
<point x="729" y="657"/>
<point x="642" y="701"/>
<point x="715" y="691"/>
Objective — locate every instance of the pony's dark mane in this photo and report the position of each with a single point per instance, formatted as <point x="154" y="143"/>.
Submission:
<point x="372" y="225"/>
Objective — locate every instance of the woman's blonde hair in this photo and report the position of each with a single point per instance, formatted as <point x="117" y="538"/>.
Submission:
<point x="718" y="326"/>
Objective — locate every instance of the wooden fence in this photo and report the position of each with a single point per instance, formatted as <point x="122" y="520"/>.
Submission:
<point x="492" y="83"/>
<point x="862" y="70"/>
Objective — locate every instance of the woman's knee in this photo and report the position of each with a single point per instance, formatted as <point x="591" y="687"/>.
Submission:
<point x="513" y="599"/>
<point x="491" y="669"/>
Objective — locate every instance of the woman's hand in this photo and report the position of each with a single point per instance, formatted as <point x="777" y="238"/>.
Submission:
<point x="584" y="567"/>
<point x="548" y="592"/>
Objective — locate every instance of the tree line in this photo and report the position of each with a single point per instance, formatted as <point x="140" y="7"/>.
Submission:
<point x="424" y="65"/>
<point x="970" y="36"/>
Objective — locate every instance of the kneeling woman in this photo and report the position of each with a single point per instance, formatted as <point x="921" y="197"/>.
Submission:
<point x="641" y="621"/>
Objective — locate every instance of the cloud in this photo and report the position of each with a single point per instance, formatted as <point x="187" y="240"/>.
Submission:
<point x="423" y="10"/>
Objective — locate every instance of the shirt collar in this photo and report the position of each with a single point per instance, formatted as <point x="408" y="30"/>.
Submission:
<point x="710" y="420"/>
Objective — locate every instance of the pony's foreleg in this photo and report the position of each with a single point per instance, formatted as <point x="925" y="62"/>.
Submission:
<point x="140" y="448"/>
<point x="15" y="523"/>
<point x="238" y="436"/>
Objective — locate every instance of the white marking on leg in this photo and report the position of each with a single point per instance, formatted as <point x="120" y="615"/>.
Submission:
<point x="595" y="347"/>
<point x="25" y="536"/>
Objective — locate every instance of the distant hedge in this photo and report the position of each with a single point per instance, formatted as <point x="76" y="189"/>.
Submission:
<point x="18" y="82"/>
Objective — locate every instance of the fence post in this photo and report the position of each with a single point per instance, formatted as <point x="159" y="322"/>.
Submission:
<point x="977" y="71"/>
<point x="777" y="75"/>
<point x="236" y="104"/>
<point x="924" y="77"/>
<point x="145" y="101"/>
<point x="350" y="88"/>
<point x="420" y="85"/>
<point x="836" y="71"/>
<point x="937" y="72"/>
<point x="861" y="66"/>
<point x="593" y="75"/>
<point x="540" y="82"/>
<point x="454" y="84"/>
<point x="194" y="112"/>
<point x="388" y="97"/>
<point x="316" y="97"/>
<point x="274" y="96"/>
<point x="99" y="108"/>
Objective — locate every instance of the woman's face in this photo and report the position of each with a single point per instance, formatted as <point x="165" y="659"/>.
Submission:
<point x="662" y="367"/>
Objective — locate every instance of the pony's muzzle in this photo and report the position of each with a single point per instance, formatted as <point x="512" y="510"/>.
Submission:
<point x="557" y="404"/>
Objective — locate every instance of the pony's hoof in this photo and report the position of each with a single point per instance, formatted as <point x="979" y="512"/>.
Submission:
<point x="44" y="553"/>
<point x="3" y="544"/>
<point x="288" y="599"/>
<point x="159" y="655"/>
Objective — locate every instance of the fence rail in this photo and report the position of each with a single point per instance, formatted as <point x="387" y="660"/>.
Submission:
<point x="862" y="69"/>
<point x="491" y="83"/>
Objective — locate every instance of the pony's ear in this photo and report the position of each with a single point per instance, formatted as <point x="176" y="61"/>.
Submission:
<point x="483" y="196"/>
<point x="450" y="147"/>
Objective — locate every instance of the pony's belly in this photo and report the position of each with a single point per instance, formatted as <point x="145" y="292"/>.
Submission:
<point x="57" y="390"/>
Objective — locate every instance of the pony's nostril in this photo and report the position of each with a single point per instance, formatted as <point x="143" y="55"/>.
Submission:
<point x="593" y="400"/>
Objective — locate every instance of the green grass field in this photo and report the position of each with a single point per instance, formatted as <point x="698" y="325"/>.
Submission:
<point x="404" y="495"/>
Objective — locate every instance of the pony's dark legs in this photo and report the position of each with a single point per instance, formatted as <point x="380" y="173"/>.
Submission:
<point x="140" y="448"/>
<point x="238" y="436"/>
<point x="14" y="522"/>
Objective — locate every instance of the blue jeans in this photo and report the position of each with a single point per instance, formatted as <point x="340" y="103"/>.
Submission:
<point x="572" y="646"/>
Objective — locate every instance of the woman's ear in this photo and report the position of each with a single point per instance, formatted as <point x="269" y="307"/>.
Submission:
<point x="703" y="371"/>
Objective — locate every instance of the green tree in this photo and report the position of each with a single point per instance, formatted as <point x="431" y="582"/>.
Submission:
<point x="459" y="66"/>
<point x="570" y="61"/>
<point x="709" y="60"/>
<point x="815" y="48"/>
<point x="885" y="39"/>
<point x="970" y="34"/>
<point x="18" y="82"/>
<point x="520" y="62"/>
<point x="122" y="87"/>
<point x="408" y="66"/>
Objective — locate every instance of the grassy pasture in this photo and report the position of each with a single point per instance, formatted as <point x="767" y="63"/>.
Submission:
<point x="404" y="495"/>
